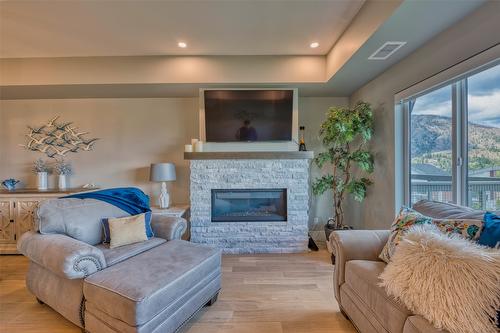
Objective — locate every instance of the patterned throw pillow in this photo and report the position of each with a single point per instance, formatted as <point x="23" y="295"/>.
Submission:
<point x="407" y="217"/>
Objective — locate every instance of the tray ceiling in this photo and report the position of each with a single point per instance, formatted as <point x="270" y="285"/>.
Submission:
<point x="129" y="28"/>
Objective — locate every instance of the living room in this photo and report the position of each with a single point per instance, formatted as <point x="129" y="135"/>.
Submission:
<point x="249" y="166"/>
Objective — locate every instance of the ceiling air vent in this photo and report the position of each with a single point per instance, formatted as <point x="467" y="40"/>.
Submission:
<point x="386" y="50"/>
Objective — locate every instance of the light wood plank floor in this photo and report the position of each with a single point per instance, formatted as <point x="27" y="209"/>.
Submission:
<point x="290" y="293"/>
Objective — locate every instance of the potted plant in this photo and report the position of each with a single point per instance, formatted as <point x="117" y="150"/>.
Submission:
<point x="64" y="170"/>
<point x="344" y="134"/>
<point x="42" y="170"/>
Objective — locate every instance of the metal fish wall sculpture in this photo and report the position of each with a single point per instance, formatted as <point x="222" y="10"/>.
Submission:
<point x="56" y="139"/>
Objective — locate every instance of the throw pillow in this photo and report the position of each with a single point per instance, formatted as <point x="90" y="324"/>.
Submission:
<point x="147" y="221"/>
<point x="127" y="230"/>
<point x="407" y="218"/>
<point x="450" y="281"/>
<point x="490" y="235"/>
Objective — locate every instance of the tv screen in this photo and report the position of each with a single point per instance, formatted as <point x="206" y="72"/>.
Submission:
<point x="248" y="115"/>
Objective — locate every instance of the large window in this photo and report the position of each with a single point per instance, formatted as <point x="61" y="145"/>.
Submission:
<point x="453" y="142"/>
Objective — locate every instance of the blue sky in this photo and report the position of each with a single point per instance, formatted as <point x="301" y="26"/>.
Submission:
<point x="483" y="99"/>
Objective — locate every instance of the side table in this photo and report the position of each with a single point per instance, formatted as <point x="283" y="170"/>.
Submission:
<point x="175" y="210"/>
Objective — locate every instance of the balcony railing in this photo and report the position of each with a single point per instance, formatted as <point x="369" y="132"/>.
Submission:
<point x="483" y="192"/>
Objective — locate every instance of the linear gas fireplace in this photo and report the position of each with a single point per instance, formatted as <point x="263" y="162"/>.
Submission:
<point x="249" y="205"/>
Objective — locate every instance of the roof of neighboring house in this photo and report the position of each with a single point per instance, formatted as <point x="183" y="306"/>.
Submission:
<point x="427" y="169"/>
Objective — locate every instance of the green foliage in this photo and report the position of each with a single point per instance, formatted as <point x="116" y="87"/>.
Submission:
<point x="358" y="188"/>
<point x="344" y="134"/>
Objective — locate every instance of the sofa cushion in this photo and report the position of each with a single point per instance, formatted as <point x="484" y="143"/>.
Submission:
<point x="443" y="210"/>
<point x="77" y="218"/>
<point x="119" y="254"/>
<point x="362" y="278"/>
<point x="136" y="290"/>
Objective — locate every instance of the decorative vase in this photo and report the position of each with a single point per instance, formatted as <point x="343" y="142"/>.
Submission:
<point x="43" y="180"/>
<point x="63" y="182"/>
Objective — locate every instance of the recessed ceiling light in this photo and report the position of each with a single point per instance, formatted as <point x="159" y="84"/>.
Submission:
<point x="182" y="45"/>
<point x="314" y="45"/>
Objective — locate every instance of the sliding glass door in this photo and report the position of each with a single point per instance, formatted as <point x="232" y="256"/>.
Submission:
<point x="453" y="142"/>
<point x="431" y="149"/>
<point x="483" y="132"/>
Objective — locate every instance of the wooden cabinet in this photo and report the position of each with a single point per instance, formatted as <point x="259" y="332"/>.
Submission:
<point x="17" y="209"/>
<point x="7" y="232"/>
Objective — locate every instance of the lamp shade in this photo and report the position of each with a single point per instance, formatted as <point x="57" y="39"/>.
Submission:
<point x="162" y="172"/>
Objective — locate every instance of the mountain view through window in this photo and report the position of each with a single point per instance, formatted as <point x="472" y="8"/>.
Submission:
<point x="431" y="142"/>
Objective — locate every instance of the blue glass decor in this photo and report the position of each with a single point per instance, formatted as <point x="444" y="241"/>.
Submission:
<point x="10" y="184"/>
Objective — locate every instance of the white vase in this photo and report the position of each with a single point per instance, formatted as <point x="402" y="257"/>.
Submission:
<point x="63" y="182"/>
<point x="43" y="180"/>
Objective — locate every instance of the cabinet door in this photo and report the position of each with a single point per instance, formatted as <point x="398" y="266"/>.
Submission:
<point x="24" y="216"/>
<point x="7" y="230"/>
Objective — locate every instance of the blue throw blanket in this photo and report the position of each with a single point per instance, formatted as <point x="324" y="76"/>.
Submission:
<point x="130" y="199"/>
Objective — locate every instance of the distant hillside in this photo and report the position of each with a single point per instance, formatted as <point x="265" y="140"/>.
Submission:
<point x="431" y="143"/>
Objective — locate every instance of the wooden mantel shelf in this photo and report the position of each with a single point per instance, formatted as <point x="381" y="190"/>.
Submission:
<point x="249" y="155"/>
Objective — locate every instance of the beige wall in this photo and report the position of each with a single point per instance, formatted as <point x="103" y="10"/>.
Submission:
<point x="473" y="34"/>
<point x="162" y="69"/>
<point x="133" y="133"/>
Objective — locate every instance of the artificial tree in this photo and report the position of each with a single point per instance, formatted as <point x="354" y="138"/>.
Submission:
<point x="344" y="134"/>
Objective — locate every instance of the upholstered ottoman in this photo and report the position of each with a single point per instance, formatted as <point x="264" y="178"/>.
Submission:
<point x="156" y="291"/>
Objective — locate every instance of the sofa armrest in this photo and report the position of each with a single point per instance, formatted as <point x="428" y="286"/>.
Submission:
<point x="355" y="245"/>
<point x="168" y="227"/>
<point x="61" y="254"/>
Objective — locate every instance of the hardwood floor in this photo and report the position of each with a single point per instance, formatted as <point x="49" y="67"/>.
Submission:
<point x="290" y="293"/>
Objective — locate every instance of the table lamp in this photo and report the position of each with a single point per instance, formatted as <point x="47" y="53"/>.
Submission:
<point x="163" y="172"/>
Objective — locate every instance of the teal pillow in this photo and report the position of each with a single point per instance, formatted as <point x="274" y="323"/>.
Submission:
<point x="490" y="235"/>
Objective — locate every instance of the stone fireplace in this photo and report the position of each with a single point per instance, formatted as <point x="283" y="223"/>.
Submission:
<point x="250" y="202"/>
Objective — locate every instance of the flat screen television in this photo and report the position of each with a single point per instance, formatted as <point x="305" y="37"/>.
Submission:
<point x="248" y="115"/>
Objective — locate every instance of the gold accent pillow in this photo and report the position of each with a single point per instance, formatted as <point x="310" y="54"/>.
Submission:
<point x="127" y="230"/>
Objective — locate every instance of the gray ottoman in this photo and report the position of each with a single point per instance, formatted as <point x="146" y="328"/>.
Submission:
<point x="156" y="291"/>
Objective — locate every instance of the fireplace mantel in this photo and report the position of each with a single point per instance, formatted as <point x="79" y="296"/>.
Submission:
<point x="249" y="155"/>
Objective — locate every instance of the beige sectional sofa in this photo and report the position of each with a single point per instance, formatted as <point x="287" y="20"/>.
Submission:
<point x="357" y="269"/>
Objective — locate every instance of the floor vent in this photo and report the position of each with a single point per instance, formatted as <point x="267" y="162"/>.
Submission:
<point x="386" y="50"/>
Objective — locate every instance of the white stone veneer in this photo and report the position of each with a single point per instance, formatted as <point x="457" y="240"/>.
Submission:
<point x="251" y="237"/>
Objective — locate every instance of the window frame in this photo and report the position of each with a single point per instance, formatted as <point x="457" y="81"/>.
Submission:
<point x="459" y="103"/>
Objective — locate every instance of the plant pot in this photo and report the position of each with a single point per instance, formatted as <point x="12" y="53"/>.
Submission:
<point x="329" y="227"/>
<point x="43" y="180"/>
<point x="63" y="182"/>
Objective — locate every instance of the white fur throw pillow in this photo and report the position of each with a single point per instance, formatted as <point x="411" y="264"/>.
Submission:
<point x="452" y="282"/>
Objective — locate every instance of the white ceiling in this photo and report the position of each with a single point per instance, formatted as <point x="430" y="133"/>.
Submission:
<point x="51" y="28"/>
